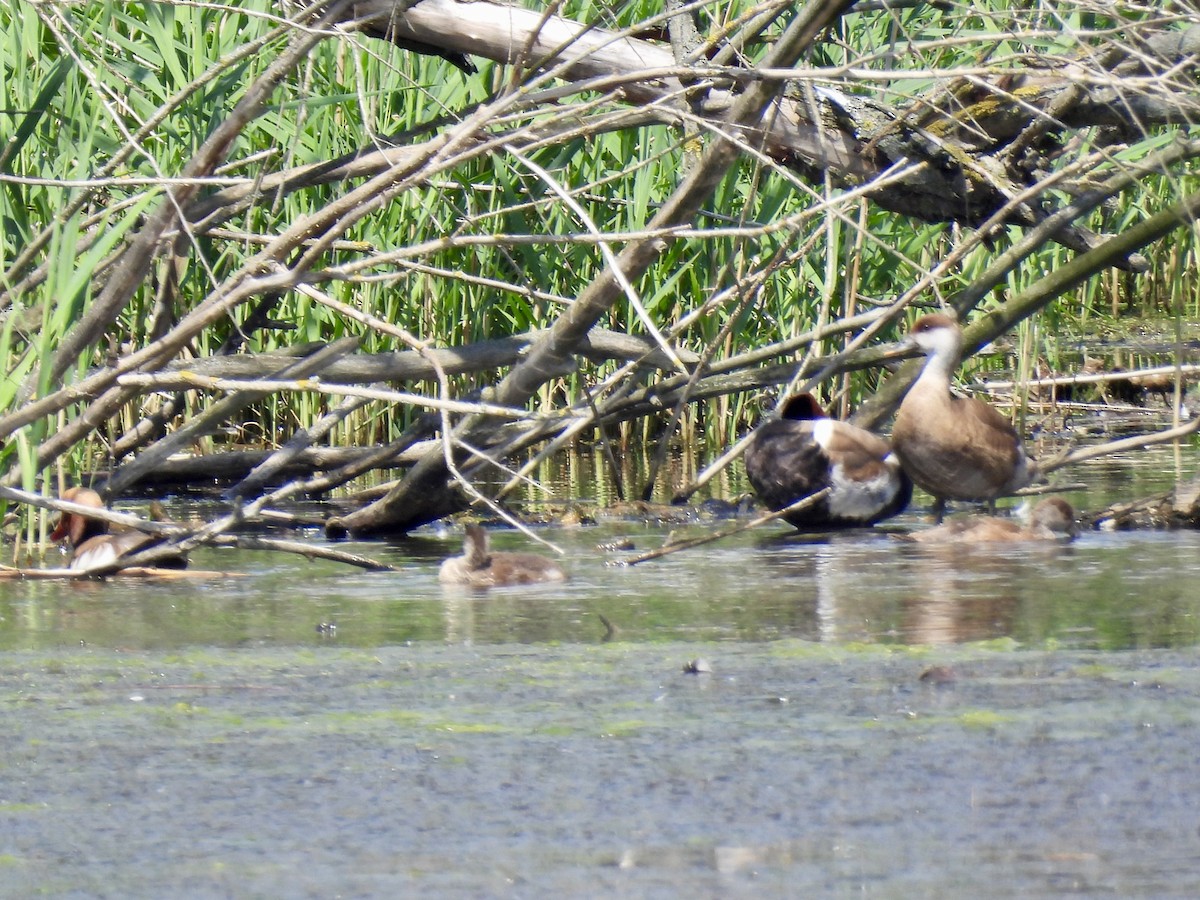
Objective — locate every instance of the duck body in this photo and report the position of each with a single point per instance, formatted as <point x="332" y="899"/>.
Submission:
<point x="1053" y="519"/>
<point x="805" y="451"/>
<point x="90" y="541"/>
<point x="956" y="448"/>
<point x="479" y="567"/>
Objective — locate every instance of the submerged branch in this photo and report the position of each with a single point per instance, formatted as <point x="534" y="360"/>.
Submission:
<point x="675" y="547"/>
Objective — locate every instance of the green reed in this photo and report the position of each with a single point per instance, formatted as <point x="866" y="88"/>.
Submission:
<point x="82" y="78"/>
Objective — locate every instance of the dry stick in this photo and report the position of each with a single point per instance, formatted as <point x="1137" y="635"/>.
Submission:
<point x="1057" y="488"/>
<point x="216" y="415"/>
<point x="104" y="515"/>
<point x="714" y="468"/>
<point x="1098" y="378"/>
<point x="423" y="495"/>
<point x="803" y="503"/>
<point x="9" y="572"/>
<point x="314" y="385"/>
<point x="714" y="345"/>
<point x="243" y="542"/>
<point x="180" y="534"/>
<point x="1133" y="443"/>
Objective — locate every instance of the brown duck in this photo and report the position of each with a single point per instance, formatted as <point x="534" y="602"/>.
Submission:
<point x="956" y="448"/>
<point x="1053" y="519"/>
<point x="90" y="541"/>
<point x="478" y="567"/>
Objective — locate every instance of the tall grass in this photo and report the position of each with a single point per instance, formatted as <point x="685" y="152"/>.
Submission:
<point x="81" y="81"/>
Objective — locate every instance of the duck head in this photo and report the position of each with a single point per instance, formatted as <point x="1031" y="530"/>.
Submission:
<point x="75" y="528"/>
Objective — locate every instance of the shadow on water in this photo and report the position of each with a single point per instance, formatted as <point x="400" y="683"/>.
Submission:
<point x="871" y="717"/>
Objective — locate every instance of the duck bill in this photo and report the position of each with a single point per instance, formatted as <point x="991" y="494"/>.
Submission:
<point x="62" y="529"/>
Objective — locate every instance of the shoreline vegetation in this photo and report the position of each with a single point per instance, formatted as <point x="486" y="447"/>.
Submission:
<point x="443" y="242"/>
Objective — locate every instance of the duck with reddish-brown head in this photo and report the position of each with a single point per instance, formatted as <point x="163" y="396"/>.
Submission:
<point x="90" y="541"/>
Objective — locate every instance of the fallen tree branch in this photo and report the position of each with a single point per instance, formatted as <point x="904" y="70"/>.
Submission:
<point x="1072" y="457"/>
<point x="676" y="546"/>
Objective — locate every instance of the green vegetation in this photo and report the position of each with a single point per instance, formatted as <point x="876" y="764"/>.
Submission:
<point x="510" y="192"/>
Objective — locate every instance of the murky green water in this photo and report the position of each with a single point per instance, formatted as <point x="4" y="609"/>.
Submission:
<point x="1106" y="591"/>
<point x="1109" y="591"/>
<point x="203" y="738"/>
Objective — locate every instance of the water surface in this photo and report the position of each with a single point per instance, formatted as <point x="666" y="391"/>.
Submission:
<point x="880" y="719"/>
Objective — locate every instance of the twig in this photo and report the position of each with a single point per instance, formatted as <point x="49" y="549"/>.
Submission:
<point x="1098" y="378"/>
<point x="1133" y="443"/>
<point x="182" y="537"/>
<point x="17" y="495"/>
<point x="185" y="379"/>
<point x="242" y="542"/>
<point x="8" y="572"/>
<point x="803" y="503"/>
<point x="1038" y="489"/>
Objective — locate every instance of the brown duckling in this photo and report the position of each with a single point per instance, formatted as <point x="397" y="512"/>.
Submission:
<point x="478" y="567"/>
<point x="1051" y="520"/>
<point x="90" y="541"/>
<point x="956" y="448"/>
<point x="804" y="451"/>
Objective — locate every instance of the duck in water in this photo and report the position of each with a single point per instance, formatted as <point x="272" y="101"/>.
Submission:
<point x="1053" y="519"/>
<point x="804" y="451"/>
<point x="478" y="567"/>
<point x="956" y="448"/>
<point x="90" y="541"/>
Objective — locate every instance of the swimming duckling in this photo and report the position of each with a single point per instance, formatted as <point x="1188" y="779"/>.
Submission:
<point x="477" y="567"/>
<point x="956" y="448"/>
<point x="1051" y="520"/>
<point x="804" y="451"/>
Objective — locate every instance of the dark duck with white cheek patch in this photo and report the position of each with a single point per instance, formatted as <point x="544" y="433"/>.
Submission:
<point x="956" y="448"/>
<point x="479" y="567"/>
<point x="90" y="541"/>
<point x="804" y="451"/>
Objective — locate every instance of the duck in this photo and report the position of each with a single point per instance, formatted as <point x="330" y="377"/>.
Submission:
<point x="804" y="450"/>
<point x="1052" y="519"/>
<point x="90" y="541"/>
<point x="955" y="448"/>
<point x="479" y="567"/>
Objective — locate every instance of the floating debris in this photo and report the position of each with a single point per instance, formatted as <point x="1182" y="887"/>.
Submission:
<point x="616" y="546"/>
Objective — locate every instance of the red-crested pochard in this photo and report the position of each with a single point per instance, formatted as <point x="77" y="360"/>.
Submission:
<point x="956" y="448"/>
<point x="90" y="541"/>
<point x="1052" y="519"/>
<point x="478" y="567"/>
<point x="804" y="451"/>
